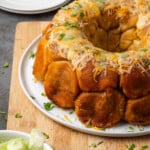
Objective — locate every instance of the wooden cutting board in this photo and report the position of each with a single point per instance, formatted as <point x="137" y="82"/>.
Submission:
<point x="62" y="138"/>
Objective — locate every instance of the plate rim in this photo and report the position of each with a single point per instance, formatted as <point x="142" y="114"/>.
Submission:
<point x="67" y="124"/>
<point x="33" y="11"/>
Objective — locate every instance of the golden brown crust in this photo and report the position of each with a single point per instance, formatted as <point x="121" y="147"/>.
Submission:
<point x="103" y="109"/>
<point x="42" y="59"/>
<point x="136" y="84"/>
<point x="91" y="81"/>
<point x="60" y="84"/>
<point x="138" y="111"/>
<point x="103" y="47"/>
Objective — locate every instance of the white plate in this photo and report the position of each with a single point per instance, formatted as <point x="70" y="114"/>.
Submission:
<point x="64" y="117"/>
<point x="31" y="6"/>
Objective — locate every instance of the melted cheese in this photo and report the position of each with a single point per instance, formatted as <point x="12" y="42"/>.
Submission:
<point x="73" y="44"/>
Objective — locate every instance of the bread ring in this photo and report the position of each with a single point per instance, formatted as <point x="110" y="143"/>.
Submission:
<point x="106" y="45"/>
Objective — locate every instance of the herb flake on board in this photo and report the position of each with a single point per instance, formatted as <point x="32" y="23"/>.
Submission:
<point x="6" y="64"/>
<point x="18" y="115"/>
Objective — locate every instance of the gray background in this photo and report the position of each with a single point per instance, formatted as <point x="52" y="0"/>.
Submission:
<point x="8" y="23"/>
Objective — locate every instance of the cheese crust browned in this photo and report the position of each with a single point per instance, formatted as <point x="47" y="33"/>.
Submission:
<point x="94" y="56"/>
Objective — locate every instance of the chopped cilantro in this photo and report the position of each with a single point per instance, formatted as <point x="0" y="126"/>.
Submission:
<point x="124" y="55"/>
<point x="143" y="49"/>
<point x="2" y="112"/>
<point x="66" y="8"/>
<point x="149" y="7"/>
<point x="43" y="94"/>
<point x="141" y="128"/>
<point x="4" y="117"/>
<point x="103" y="129"/>
<point x="61" y="36"/>
<point x="101" y="8"/>
<point x="100" y="142"/>
<point x="46" y="135"/>
<point x="49" y="106"/>
<point x="82" y="14"/>
<point x="131" y="147"/>
<point x="94" y="145"/>
<point x="78" y="5"/>
<point x="74" y="13"/>
<point x="6" y="64"/>
<point x="18" y="116"/>
<point x="71" y="112"/>
<point x="32" y="97"/>
<point x="32" y="54"/>
<point x="97" y="51"/>
<point x="101" y="1"/>
<point x="86" y="47"/>
<point x="144" y="147"/>
<point x="76" y="10"/>
<point x="68" y="37"/>
<point x="147" y="62"/>
<point x="71" y="25"/>
<point x="88" y="126"/>
<point x="131" y="129"/>
<point x="102" y="63"/>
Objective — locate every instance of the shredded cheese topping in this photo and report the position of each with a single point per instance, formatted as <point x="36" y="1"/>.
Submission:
<point x="72" y="43"/>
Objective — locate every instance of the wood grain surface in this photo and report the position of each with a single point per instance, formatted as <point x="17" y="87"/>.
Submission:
<point x="60" y="137"/>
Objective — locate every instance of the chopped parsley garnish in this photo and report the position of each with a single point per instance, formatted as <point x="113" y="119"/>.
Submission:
<point x="103" y="129"/>
<point x="94" y="145"/>
<point x="43" y="94"/>
<point x="82" y="14"/>
<point x="141" y="128"/>
<point x="101" y="1"/>
<point x="6" y="64"/>
<point x="76" y="10"/>
<point x="5" y="117"/>
<point x="2" y="112"/>
<point x="88" y="126"/>
<point x="86" y="47"/>
<point x="78" y="5"/>
<point x="32" y="97"/>
<point x="71" y="25"/>
<point x="144" y="147"/>
<point x="124" y="55"/>
<point x="46" y="135"/>
<point x="68" y="37"/>
<point x="131" y="147"/>
<point x="102" y="64"/>
<point x="18" y="116"/>
<point x="49" y="106"/>
<point x="143" y="49"/>
<point x="147" y="62"/>
<point x="149" y="7"/>
<point x="61" y="36"/>
<point x="131" y="129"/>
<point x="96" y="51"/>
<point x="32" y="54"/>
<point x="101" y="8"/>
<point x="71" y="112"/>
<point x="74" y="13"/>
<point x="66" y="7"/>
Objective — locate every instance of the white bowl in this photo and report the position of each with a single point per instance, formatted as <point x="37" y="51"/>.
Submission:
<point x="11" y="134"/>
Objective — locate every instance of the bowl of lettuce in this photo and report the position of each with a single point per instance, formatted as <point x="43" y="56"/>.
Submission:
<point x="17" y="140"/>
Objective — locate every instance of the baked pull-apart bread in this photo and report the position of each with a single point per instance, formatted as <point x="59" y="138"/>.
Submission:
<point x="94" y="56"/>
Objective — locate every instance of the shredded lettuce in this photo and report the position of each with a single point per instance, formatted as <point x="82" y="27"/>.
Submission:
<point x="35" y="142"/>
